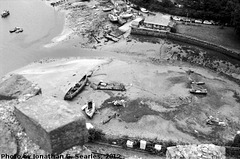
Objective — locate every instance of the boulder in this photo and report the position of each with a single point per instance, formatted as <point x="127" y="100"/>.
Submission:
<point x="8" y="143"/>
<point x="51" y="124"/>
<point x="17" y="86"/>
<point x="206" y="151"/>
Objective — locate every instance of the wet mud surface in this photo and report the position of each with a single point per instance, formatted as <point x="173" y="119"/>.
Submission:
<point x="189" y="113"/>
<point x="133" y="111"/>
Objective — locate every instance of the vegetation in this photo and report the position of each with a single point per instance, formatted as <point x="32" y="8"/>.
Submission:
<point x="224" y="12"/>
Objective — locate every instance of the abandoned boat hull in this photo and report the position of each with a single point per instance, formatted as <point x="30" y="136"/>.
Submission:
<point x="112" y="86"/>
<point x="73" y="91"/>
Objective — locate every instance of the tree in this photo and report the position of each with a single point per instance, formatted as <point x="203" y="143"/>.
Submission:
<point x="236" y="19"/>
<point x="167" y="3"/>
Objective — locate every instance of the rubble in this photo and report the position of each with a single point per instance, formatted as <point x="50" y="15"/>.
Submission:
<point x="17" y="86"/>
<point x="118" y="102"/>
<point x="108" y="86"/>
<point x="206" y="151"/>
<point x="215" y="121"/>
<point x="8" y="143"/>
<point x="109" y="118"/>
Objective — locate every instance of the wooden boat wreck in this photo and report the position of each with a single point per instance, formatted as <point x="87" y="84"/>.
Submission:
<point x="89" y="108"/>
<point x="109" y="86"/>
<point x="73" y="91"/>
<point x="5" y="13"/>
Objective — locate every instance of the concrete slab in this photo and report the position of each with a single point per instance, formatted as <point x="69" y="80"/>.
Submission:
<point x="51" y="124"/>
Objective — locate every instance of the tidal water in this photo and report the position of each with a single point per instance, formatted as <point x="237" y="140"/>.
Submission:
<point x="40" y="23"/>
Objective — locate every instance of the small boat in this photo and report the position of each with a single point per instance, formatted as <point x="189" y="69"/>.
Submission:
<point x="107" y="9"/>
<point x="13" y="30"/>
<point x="126" y="15"/>
<point x="5" y="13"/>
<point x="112" y="18"/>
<point x="198" y="91"/>
<point x="90" y="109"/>
<point x="19" y="30"/>
<point x="198" y="83"/>
<point x="16" y="30"/>
<point x="144" y="10"/>
<point x="73" y="91"/>
<point x="135" y="6"/>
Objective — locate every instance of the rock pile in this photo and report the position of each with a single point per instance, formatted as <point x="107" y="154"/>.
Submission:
<point x="204" y="151"/>
<point x="8" y="143"/>
<point x="17" y="86"/>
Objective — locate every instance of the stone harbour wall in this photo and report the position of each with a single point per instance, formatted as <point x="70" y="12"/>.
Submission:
<point x="203" y="151"/>
<point x="186" y="39"/>
<point x="149" y="32"/>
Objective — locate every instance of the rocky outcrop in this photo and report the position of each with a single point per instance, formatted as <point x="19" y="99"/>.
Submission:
<point x="51" y="124"/>
<point x="7" y="141"/>
<point x="17" y="86"/>
<point x="204" y="151"/>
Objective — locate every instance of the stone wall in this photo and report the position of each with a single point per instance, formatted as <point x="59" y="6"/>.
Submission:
<point x="51" y="124"/>
<point x="186" y="39"/>
<point x="206" y="151"/>
<point x="202" y="43"/>
<point x="149" y="32"/>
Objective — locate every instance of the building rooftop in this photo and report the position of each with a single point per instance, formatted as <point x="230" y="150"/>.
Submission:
<point x="158" y="19"/>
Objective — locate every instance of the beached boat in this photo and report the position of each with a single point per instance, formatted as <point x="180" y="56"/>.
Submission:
<point x="144" y="10"/>
<point x="16" y="30"/>
<point x="134" y="6"/>
<point x="112" y="18"/>
<point x="5" y="13"/>
<point x="19" y="30"/>
<point x="198" y="83"/>
<point x="198" y="91"/>
<point x="107" y="9"/>
<point x="90" y="109"/>
<point x="73" y="91"/>
<point x="13" y="30"/>
<point x="126" y="15"/>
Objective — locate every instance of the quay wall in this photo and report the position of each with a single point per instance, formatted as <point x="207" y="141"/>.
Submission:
<point x="186" y="39"/>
